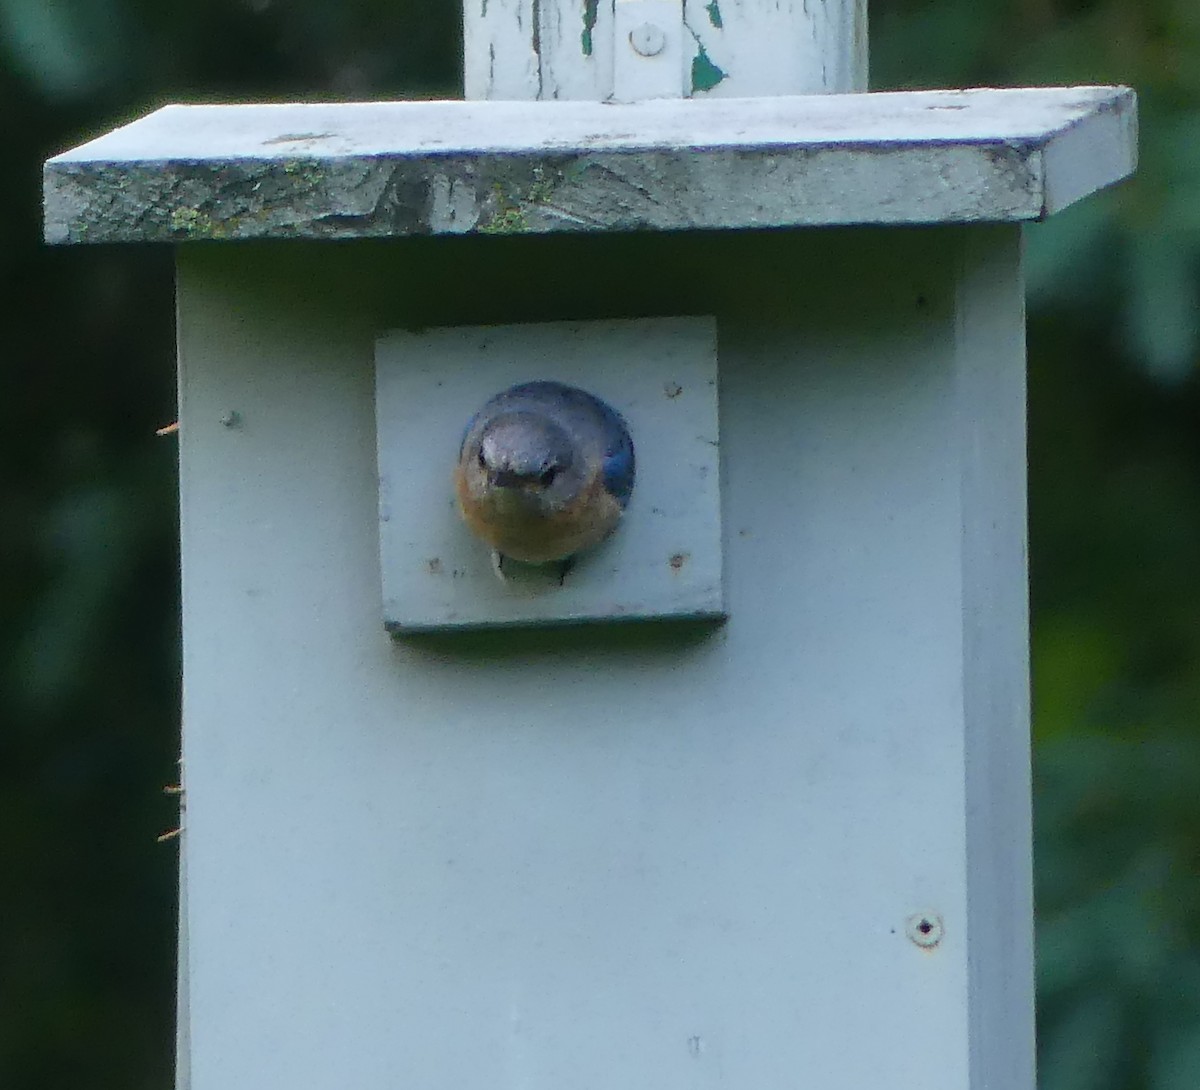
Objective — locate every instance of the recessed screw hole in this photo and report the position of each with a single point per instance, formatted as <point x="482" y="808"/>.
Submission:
<point x="925" y="929"/>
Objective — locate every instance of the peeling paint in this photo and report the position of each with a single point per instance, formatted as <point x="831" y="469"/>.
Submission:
<point x="705" y="74"/>
<point x="452" y="205"/>
<point x="714" y="14"/>
<point x="535" y="14"/>
<point x="589" y="24"/>
<point x="298" y="138"/>
<point x="535" y="19"/>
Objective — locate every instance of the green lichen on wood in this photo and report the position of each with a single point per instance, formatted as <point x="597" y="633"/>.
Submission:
<point x="508" y="221"/>
<point x="307" y="171"/>
<point x="542" y="188"/>
<point x="508" y="217"/>
<point x="184" y="219"/>
<point x="196" y="224"/>
<point x="512" y="209"/>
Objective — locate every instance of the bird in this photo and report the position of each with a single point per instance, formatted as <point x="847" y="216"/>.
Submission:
<point x="544" y="472"/>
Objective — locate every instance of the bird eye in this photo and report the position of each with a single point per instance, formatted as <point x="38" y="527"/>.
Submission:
<point x="546" y="477"/>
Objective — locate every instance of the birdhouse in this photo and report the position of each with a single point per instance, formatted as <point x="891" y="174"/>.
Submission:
<point x="738" y="793"/>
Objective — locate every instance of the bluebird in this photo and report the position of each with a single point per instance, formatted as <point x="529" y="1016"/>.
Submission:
<point x="545" y="471"/>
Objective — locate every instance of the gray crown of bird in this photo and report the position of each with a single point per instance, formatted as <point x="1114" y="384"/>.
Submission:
<point x="545" y="471"/>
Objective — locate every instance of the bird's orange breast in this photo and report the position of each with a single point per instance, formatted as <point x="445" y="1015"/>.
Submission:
<point x="522" y="530"/>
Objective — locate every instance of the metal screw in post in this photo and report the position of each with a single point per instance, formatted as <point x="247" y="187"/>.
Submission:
<point x="925" y="929"/>
<point x="647" y="40"/>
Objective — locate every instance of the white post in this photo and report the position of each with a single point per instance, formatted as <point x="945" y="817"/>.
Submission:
<point x="576" y="49"/>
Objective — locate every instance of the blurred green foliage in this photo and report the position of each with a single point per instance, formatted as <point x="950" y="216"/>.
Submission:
<point x="88" y="597"/>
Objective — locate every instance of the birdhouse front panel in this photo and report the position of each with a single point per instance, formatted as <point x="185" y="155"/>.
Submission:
<point x="651" y="856"/>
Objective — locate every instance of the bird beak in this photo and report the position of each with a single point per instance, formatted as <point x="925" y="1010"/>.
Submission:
<point x="505" y="478"/>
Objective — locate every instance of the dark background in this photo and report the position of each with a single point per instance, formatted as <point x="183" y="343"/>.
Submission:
<point x="88" y="549"/>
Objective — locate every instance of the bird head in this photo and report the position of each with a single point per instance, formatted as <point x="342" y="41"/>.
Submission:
<point x="527" y="460"/>
<point x="544" y="470"/>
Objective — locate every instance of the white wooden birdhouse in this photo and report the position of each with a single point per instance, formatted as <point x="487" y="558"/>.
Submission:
<point x="743" y="799"/>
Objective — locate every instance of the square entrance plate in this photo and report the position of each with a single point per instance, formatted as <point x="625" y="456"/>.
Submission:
<point x="664" y="560"/>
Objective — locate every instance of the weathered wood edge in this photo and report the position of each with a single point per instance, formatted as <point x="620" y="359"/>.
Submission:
<point x="539" y="191"/>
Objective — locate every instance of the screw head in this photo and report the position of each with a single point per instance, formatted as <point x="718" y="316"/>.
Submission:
<point x="925" y="929"/>
<point x="647" y="40"/>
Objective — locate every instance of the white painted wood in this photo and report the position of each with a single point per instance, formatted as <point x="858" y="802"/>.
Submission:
<point x="664" y="559"/>
<point x="990" y="342"/>
<point x="1075" y="157"/>
<point x="648" y="56"/>
<point x="645" y="856"/>
<point x="565" y="49"/>
<point x="336" y="171"/>
<point x="538" y="49"/>
<point x="500" y="60"/>
<point x="777" y="47"/>
<point x="299" y="132"/>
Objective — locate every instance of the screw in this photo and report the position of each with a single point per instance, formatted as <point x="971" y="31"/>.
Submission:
<point x="647" y="40"/>
<point x="231" y="418"/>
<point x="925" y="929"/>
